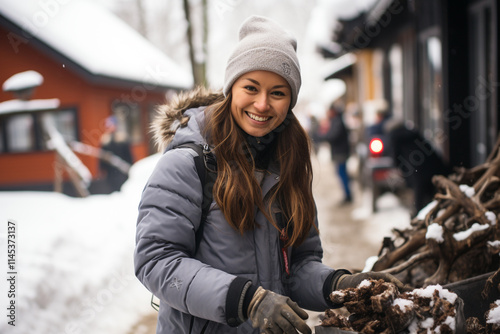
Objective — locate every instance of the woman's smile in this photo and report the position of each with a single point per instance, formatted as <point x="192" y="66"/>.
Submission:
<point x="258" y="118"/>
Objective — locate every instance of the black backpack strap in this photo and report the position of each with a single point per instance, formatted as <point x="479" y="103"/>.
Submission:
<point x="206" y="166"/>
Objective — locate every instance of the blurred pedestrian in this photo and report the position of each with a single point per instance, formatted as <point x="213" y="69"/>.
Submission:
<point x="312" y="131"/>
<point x="418" y="161"/>
<point x="257" y="261"/>
<point x="115" y="149"/>
<point x="377" y="128"/>
<point x="335" y="132"/>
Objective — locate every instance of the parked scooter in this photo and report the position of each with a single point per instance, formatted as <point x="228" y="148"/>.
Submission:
<point x="381" y="172"/>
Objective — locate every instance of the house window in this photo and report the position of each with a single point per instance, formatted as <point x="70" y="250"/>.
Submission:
<point x="24" y="131"/>
<point x="397" y="82"/>
<point x="432" y="89"/>
<point x="128" y="116"/>
<point x="65" y="123"/>
<point x="482" y="100"/>
<point x="20" y="133"/>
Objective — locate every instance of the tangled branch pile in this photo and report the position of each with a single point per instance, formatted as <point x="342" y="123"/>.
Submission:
<point x="378" y="307"/>
<point x="456" y="236"/>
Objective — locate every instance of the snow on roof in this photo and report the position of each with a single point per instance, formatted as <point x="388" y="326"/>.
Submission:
<point x="97" y="40"/>
<point x="22" y="80"/>
<point x="338" y="64"/>
<point x="14" y="106"/>
<point x="378" y="9"/>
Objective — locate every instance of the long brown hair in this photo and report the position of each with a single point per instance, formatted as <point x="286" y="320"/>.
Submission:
<point x="237" y="191"/>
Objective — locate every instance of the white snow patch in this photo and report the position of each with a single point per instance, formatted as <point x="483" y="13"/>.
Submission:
<point x="443" y="293"/>
<point x="403" y="303"/>
<point x="22" y="80"/>
<point x="427" y="323"/>
<point x="459" y="236"/>
<point x="467" y="190"/>
<point x="425" y="210"/>
<point x="491" y="217"/>
<point x="451" y="322"/>
<point x="494" y="314"/>
<point x="494" y="243"/>
<point x="435" y="231"/>
<point x="364" y="284"/>
<point x="413" y="328"/>
<point x="369" y="263"/>
<point x="15" y="106"/>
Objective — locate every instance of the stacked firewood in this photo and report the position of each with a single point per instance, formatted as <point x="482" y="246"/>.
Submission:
<point x="378" y="307"/>
<point x="456" y="236"/>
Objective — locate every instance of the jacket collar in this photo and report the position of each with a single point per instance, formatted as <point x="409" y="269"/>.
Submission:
<point x="271" y="178"/>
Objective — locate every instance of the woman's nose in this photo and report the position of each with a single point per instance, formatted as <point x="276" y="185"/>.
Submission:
<point x="261" y="103"/>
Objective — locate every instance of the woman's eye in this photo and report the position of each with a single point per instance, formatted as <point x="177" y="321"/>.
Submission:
<point x="251" y="88"/>
<point x="278" y="93"/>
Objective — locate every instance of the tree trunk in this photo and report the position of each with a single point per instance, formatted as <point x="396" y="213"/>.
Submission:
<point x="198" y="66"/>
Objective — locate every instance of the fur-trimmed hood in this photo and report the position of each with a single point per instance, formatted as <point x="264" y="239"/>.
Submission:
<point x="171" y="116"/>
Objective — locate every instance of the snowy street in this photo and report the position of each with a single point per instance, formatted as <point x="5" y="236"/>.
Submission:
<point x="74" y="256"/>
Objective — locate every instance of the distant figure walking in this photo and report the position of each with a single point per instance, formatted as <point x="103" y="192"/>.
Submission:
<point x="336" y="134"/>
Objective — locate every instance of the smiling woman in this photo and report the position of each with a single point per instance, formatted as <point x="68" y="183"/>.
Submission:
<point x="253" y="260"/>
<point x="260" y="102"/>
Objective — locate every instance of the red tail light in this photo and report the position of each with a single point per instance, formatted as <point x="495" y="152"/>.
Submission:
<point x="376" y="146"/>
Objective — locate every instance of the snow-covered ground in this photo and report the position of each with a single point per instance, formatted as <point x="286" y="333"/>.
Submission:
<point x="74" y="258"/>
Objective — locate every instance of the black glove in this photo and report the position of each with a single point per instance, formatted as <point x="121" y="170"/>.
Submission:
<point x="276" y="314"/>
<point x="352" y="281"/>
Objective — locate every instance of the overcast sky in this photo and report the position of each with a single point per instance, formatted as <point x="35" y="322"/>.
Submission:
<point x="311" y="22"/>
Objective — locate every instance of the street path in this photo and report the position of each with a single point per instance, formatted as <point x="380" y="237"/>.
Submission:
<point x="347" y="242"/>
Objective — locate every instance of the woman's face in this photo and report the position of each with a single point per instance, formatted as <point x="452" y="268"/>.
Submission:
<point x="260" y="102"/>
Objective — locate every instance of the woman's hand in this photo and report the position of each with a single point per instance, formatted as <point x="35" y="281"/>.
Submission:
<point x="276" y="314"/>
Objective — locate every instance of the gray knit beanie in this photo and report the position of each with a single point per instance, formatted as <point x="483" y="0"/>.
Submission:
<point x="264" y="46"/>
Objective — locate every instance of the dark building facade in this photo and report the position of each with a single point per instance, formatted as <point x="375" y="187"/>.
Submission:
<point x="438" y="68"/>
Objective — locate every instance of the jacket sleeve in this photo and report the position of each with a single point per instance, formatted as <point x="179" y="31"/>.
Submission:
<point x="169" y="215"/>
<point x="310" y="282"/>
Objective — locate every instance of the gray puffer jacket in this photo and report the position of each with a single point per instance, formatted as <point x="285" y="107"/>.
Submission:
<point x="200" y="287"/>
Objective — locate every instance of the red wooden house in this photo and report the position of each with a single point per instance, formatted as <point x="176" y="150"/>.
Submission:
<point x="95" y="65"/>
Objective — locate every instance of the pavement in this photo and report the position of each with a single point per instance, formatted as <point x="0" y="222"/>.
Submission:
<point x="350" y="234"/>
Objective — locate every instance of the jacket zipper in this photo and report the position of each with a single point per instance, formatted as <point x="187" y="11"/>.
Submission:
<point x="284" y="252"/>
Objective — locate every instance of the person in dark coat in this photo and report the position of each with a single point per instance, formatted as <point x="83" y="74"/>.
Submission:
<point x="114" y="145"/>
<point x="336" y="134"/>
<point x="417" y="160"/>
